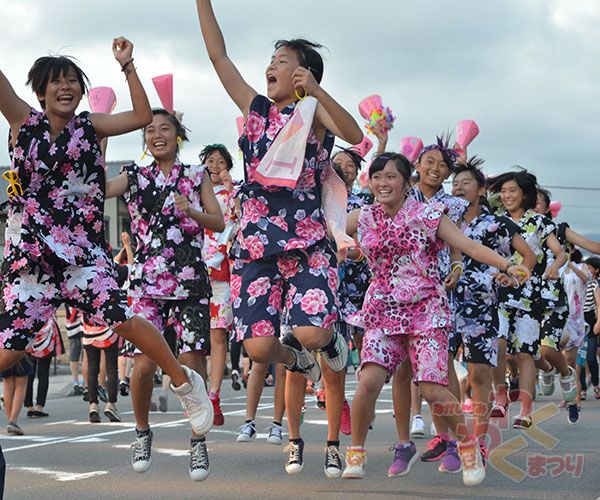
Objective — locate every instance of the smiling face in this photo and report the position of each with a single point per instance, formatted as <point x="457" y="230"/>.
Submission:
<point x="466" y="187"/>
<point x="388" y="186"/>
<point x="432" y="169"/>
<point x="216" y="165"/>
<point x="512" y="196"/>
<point x="161" y="138"/>
<point x="347" y="167"/>
<point x="62" y="94"/>
<point x="279" y="75"/>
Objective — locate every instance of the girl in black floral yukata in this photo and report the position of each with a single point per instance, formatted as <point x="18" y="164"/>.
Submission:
<point x="55" y="250"/>
<point x="170" y="204"/>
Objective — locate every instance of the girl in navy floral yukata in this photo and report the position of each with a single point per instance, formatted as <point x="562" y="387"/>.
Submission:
<point x="55" y="250"/>
<point x="283" y="256"/>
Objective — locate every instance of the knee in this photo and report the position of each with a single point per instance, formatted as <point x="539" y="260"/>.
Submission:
<point x="478" y="374"/>
<point x="258" y="354"/>
<point x="144" y="367"/>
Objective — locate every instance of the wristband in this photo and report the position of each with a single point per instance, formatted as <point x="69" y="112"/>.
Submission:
<point x="124" y="66"/>
<point x="455" y="265"/>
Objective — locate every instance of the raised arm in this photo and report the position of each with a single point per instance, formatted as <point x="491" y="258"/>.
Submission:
<point x="240" y="92"/>
<point x="448" y="232"/>
<point x="14" y="109"/>
<point x="583" y="242"/>
<point x="117" y="186"/>
<point x="141" y="115"/>
<point x="581" y="273"/>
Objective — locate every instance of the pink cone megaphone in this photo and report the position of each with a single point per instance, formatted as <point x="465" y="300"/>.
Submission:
<point x="164" y="87"/>
<point x="368" y="105"/>
<point x="411" y="147"/>
<point x="239" y="121"/>
<point x="466" y="131"/>
<point x="363" y="178"/>
<point x="102" y="100"/>
<point x="363" y="147"/>
<point x="555" y="207"/>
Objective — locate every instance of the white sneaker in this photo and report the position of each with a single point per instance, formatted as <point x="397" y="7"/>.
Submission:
<point x="417" y="428"/>
<point x="355" y="464"/>
<point x="547" y="382"/>
<point x="295" y="462"/>
<point x="195" y="402"/>
<point x="472" y="463"/>
<point x="569" y="386"/>
<point x="111" y="412"/>
<point x="304" y="362"/>
<point x="141" y="456"/>
<point x="199" y="465"/>
<point x="275" y="434"/>
<point x="337" y="356"/>
<point x="247" y="432"/>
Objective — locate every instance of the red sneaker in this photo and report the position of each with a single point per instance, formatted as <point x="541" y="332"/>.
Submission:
<point x="215" y="398"/>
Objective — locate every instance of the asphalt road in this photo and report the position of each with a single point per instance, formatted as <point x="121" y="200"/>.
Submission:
<point x="64" y="457"/>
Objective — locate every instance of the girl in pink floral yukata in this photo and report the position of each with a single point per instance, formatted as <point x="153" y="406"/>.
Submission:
<point x="55" y="250"/>
<point x="405" y="313"/>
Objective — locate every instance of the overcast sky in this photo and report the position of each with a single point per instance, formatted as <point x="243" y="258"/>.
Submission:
<point x="526" y="70"/>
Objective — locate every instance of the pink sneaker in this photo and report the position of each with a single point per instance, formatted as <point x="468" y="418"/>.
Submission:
<point x="467" y="406"/>
<point x="346" y="425"/>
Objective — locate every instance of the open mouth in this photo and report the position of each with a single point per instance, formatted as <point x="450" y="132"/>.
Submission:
<point x="159" y="144"/>
<point x="271" y="80"/>
<point x="65" y="99"/>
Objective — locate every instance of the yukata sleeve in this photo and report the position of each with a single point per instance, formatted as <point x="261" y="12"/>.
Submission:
<point x="431" y="217"/>
<point x="132" y="181"/>
<point x="509" y="227"/>
<point x="545" y="228"/>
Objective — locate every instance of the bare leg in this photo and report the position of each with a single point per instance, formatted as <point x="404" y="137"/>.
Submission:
<point x="267" y="350"/>
<point x="9" y="358"/>
<point x="141" y="389"/>
<point x="256" y="382"/>
<point x="9" y="395"/>
<point x="149" y="340"/>
<point x="571" y="357"/>
<point x="556" y="359"/>
<point x="441" y="424"/>
<point x="18" y="397"/>
<point x="334" y="400"/>
<point x="445" y="407"/>
<point x="279" y="393"/>
<point x="295" y="385"/>
<point x="526" y="382"/>
<point x="401" y="396"/>
<point x="372" y="378"/>
<point x="313" y="338"/>
<point x="480" y="376"/>
<point x="218" y="357"/>
<point x="499" y="375"/>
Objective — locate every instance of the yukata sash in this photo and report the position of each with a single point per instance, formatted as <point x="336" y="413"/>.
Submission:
<point x="283" y="162"/>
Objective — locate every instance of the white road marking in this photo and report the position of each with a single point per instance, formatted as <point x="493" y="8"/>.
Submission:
<point x="30" y="437"/>
<point x="60" y="475"/>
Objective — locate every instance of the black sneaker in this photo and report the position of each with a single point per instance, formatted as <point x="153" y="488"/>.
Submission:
<point x="295" y="461"/>
<point x="141" y="456"/>
<point x="573" y="413"/>
<point x="123" y="388"/>
<point x="102" y="395"/>
<point x="333" y="462"/>
<point x="199" y="466"/>
<point x="85" y="395"/>
<point x="436" y="449"/>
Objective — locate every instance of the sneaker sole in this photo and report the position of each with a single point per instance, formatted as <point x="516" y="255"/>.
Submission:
<point x="407" y="470"/>
<point x="295" y="470"/>
<point x="200" y="477"/>
<point x="94" y="418"/>
<point x="474" y="481"/>
<point x="332" y="475"/>
<point x="274" y="441"/>
<point x="418" y="434"/>
<point x="142" y="469"/>
<point x="245" y="439"/>
<point x="446" y="471"/>
<point x="353" y="475"/>
<point x="111" y="416"/>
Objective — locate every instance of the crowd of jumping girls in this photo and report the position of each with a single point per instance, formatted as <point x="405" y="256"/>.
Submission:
<point x="482" y="275"/>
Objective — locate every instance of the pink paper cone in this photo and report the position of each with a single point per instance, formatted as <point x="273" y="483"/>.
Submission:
<point x="466" y="131"/>
<point x="102" y="99"/>
<point x="240" y="125"/>
<point x="164" y="87"/>
<point x="368" y="105"/>
<point x="364" y="146"/>
<point x="555" y="207"/>
<point x="363" y="178"/>
<point x="411" y="147"/>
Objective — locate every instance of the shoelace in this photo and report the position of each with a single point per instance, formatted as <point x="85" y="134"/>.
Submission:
<point x="190" y="401"/>
<point x="294" y="450"/>
<point x="141" y="448"/>
<point x="274" y="430"/>
<point x="333" y="455"/>
<point x="355" y="457"/>
<point x="247" y="428"/>
<point x="199" y="456"/>
<point x="434" y="442"/>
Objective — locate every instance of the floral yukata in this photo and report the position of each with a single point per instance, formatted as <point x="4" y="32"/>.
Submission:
<point x="405" y="312"/>
<point x="169" y="280"/>
<point x="476" y="292"/>
<point x="215" y="254"/>
<point x="282" y="255"/>
<point x="521" y="308"/>
<point x="354" y="276"/>
<point x="55" y="250"/>
<point x="456" y="208"/>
